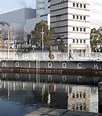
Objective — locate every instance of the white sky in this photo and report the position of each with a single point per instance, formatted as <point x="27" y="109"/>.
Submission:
<point x="10" y="5"/>
<point x="96" y="13"/>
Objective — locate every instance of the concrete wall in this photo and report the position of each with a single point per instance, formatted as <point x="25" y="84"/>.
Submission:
<point x="18" y="16"/>
<point x="30" y="23"/>
<point x="25" y="17"/>
<point x="52" y="64"/>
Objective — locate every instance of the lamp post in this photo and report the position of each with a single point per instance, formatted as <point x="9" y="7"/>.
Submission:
<point x="3" y="24"/>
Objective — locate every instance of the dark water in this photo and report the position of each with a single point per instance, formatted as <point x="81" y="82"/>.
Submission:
<point x="21" y="94"/>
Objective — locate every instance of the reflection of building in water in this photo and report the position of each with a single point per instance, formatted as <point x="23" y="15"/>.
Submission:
<point x="34" y="93"/>
<point x="79" y="98"/>
<point x="58" y="100"/>
<point x="63" y="96"/>
<point x="94" y="99"/>
<point x="58" y="96"/>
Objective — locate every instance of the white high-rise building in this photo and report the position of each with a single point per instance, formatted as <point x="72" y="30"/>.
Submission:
<point x="71" y="20"/>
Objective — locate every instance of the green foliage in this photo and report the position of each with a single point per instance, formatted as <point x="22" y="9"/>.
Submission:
<point x="37" y="33"/>
<point x="95" y="38"/>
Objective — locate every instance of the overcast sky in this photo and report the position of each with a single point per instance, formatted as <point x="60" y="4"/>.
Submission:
<point x="10" y="5"/>
<point x="96" y="13"/>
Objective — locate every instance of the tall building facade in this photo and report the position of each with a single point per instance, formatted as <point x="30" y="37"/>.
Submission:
<point x="71" y="20"/>
<point x="42" y="7"/>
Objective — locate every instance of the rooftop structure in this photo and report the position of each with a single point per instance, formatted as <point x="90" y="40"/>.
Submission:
<point x="18" y="16"/>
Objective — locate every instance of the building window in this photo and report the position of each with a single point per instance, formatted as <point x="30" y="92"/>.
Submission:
<point x="84" y="95"/>
<point x="77" y="5"/>
<point x="84" y="41"/>
<point x="73" y="4"/>
<point x="84" y="107"/>
<point x="73" y="95"/>
<point x="80" y="107"/>
<point x="80" y="5"/>
<point x="84" y="18"/>
<point x="73" y="107"/>
<point x="77" y="95"/>
<point x="80" y="95"/>
<point x="76" y="107"/>
<point x="73" y="16"/>
<point x="77" y="41"/>
<point x="84" y="29"/>
<point x="77" y="29"/>
<point x="77" y="16"/>
<point x="73" y="40"/>
<point x="80" y="29"/>
<point x="80" y="40"/>
<point x="84" y="6"/>
<point x="73" y="28"/>
<point x="80" y="17"/>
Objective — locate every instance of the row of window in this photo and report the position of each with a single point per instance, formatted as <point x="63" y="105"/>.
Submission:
<point x="79" y="41"/>
<point x="79" y="17"/>
<point x="80" y="107"/>
<point x="78" y="5"/>
<point x="41" y="2"/>
<point x="41" y="8"/>
<point x="79" y="29"/>
<point x="78" y="95"/>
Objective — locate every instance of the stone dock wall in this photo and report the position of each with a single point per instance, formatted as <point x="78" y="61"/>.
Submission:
<point x="52" y="67"/>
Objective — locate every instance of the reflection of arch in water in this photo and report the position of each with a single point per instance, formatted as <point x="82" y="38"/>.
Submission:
<point x="4" y="23"/>
<point x="84" y="95"/>
<point x="73" y="95"/>
<point x="81" y="106"/>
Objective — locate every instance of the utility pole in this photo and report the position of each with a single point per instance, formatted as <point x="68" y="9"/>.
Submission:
<point x="42" y="38"/>
<point x="8" y="42"/>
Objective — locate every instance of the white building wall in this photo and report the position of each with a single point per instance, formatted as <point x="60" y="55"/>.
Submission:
<point x="78" y="23"/>
<point x="78" y="36"/>
<point x="79" y="26"/>
<point x="81" y="1"/>
<point x="71" y="20"/>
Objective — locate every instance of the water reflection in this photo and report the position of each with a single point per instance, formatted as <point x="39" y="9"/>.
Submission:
<point x="52" y="78"/>
<point x="18" y="95"/>
<point x="79" y="98"/>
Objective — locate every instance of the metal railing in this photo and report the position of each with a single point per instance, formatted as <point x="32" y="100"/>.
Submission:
<point x="58" y="56"/>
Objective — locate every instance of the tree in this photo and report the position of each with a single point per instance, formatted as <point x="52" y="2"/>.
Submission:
<point x="95" y="38"/>
<point x="37" y="34"/>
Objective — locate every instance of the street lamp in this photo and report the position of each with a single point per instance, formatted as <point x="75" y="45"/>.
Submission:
<point x="5" y="23"/>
